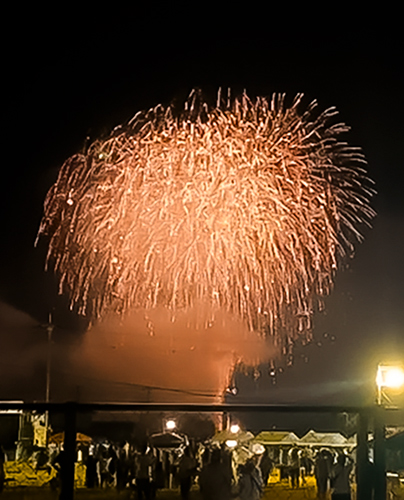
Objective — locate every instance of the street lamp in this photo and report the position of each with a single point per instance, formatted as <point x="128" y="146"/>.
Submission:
<point x="388" y="376"/>
<point x="49" y="329"/>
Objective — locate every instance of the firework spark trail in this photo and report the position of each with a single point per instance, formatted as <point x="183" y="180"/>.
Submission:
<point x="249" y="207"/>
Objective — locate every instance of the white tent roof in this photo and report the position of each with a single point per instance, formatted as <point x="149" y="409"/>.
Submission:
<point x="240" y="436"/>
<point x="276" y="437"/>
<point x="324" y="439"/>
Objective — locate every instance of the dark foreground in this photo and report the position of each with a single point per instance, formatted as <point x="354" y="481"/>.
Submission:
<point x="275" y="492"/>
<point x="279" y="491"/>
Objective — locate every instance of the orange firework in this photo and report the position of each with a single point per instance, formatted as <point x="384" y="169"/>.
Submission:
<point x="249" y="207"/>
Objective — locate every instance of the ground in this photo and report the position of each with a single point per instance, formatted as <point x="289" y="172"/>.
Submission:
<point x="279" y="492"/>
<point x="42" y="494"/>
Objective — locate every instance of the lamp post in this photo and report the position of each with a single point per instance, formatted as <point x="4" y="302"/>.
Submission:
<point x="364" y="473"/>
<point x="389" y="379"/>
<point x="49" y="329"/>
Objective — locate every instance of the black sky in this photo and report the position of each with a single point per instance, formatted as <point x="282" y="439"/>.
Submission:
<point x="74" y="74"/>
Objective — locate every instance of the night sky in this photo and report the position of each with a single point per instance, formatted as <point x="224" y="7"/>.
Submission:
<point x="78" y="76"/>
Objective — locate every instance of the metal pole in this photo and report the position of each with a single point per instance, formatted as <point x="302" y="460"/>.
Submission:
<point x="380" y="483"/>
<point x="69" y="447"/>
<point x="48" y="363"/>
<point x="363" y="476"/>
<point x="49" y="329"/>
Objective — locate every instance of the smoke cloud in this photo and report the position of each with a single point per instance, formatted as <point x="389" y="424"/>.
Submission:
<point x="146" y="357"/>
<point x="149" y="357"/>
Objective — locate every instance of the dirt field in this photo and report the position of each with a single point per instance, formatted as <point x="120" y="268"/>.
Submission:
<point x="274" y="492"/>
<point x="280" y="491"/>
<point x="38" y="494"/>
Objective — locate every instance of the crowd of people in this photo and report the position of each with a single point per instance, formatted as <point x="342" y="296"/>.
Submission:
<point x="332" y="470"/>
<point x="146" y="470"/>
<point x="218" y="471"/>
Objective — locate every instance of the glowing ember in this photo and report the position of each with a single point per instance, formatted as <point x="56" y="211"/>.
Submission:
<point x="249" y="207"/>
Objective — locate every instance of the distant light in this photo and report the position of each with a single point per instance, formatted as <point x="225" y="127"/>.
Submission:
<point x="258" y="449"/>
<point x="392" y="474"/>
<point x="394" y="378"/>
<point x="234" y="429"/>
<point x="390" y="376"/>
<point x="170" y="425"/>
<point x="231" y="443"/>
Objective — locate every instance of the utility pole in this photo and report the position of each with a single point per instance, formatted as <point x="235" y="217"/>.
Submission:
<point x="364" y="476"/>
<point x="69" y="458"/>
<point x="49" y="329"/>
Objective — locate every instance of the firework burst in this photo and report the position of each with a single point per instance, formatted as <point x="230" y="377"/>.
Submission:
<point x="250" y="207"/>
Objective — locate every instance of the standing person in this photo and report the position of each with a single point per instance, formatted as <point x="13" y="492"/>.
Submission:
<point x="59" y="464"/>
<point x="122" y="467"/>
<point x="305" y="465"/>
<point x="340" y="482"/>
<point x="214" y="480"/>
<point x="266" y="466"/>
<point x="250" y="483"/>
<point x="101" y="465"/>
<point x="226" y="459"/>
<point x="283" y="463"/>
<point x="112" y="460"/>
<point x="153" y="456"/>
<point x="91" y="470"/>
<point x="159" y="475"/>
<point x="294" y="466"/>
<point x="186" y="471"/>
<point x="322" y="473"/>
<point x="143" y="473"/>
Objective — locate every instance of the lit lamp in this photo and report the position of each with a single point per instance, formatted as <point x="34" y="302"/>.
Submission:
<point x="390" y="377"/>
<point x="232" y="442"/>
<point x="170" y="425"/>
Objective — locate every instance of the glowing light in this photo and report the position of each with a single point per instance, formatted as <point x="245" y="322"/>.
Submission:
<point x="258" y="449"/>
<point x="232" y="390"/>
<point x="390" y="376"/>
<point x="170" y="425"/>
<point x="231" y="443"/>
<point x="249" y="207"/>
<point x="234" y="429"/>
